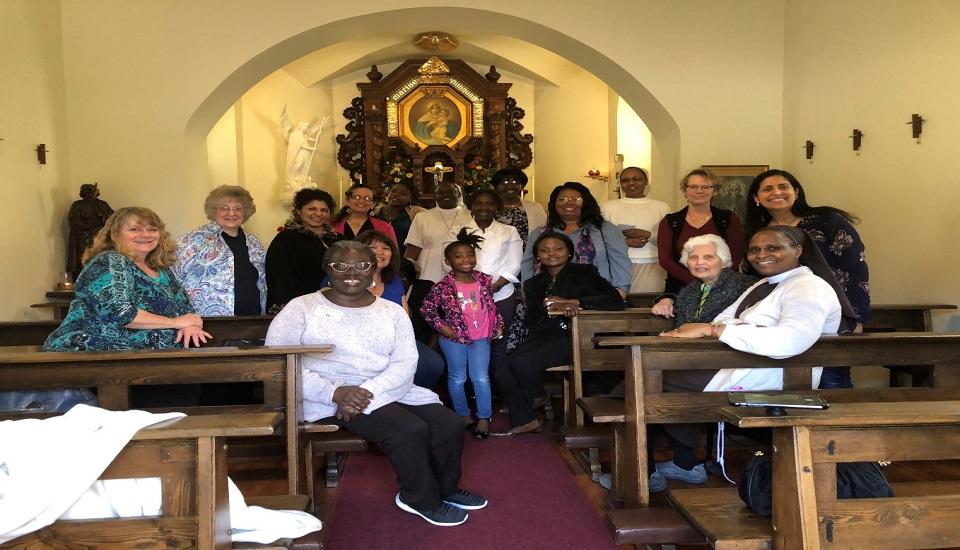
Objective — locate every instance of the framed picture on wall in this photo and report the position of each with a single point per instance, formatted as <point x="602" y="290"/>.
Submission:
<point x="735" y="180"/>
<point x="434" y="115"/>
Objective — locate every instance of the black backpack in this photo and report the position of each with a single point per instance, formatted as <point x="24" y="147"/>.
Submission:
<point x="854" y="480"/>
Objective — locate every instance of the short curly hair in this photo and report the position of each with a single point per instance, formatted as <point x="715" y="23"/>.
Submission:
<point x="235" y="192"/>
<point x="164" y="255"/>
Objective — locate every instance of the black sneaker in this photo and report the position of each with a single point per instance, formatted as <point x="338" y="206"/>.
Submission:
<point x="466" y="501"/>
<point x="444" y="516"/>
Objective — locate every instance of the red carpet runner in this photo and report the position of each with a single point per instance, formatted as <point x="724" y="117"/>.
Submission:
<point x="534" y="504"/>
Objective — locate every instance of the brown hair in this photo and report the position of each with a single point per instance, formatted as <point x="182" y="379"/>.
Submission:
<point x="705" y="174"/>
<point x="164" y="255"/>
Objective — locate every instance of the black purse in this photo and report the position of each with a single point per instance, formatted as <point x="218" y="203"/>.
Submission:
<point x="854" y="480"/>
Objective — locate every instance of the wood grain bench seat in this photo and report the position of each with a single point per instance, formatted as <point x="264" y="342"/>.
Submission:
<point x="652" y="526"/>
<point x="720" y="515"/>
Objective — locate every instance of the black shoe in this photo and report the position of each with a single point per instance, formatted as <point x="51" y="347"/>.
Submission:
<point x="481" y="434"/>
<point x="444" y="515"/>
<point x="466" y="501"/>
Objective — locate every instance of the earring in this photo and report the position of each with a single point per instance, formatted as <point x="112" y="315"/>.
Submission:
<point x="756" y="202"/>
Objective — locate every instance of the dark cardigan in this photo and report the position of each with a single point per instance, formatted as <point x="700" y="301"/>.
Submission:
<point x="580" y="281"/>
<point x="729" y="286"/>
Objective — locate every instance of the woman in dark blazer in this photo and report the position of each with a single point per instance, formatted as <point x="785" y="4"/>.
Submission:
<point x="557" y="292"/>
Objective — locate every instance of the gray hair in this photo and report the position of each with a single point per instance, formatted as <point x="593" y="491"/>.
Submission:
<point x="720" y="245"/>
<point x="224" y="192"/>
<point x="341" y="247"/>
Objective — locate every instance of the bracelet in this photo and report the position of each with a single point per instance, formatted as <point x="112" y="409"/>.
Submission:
<point x="715" y="330"/>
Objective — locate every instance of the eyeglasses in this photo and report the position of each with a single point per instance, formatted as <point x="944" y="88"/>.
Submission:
<point x="699" y="187"/>
<point x="361" y="198"/>
<point x="567" y="200"/>
<point x="230" y="209"/>
<point x="359" y="267"/>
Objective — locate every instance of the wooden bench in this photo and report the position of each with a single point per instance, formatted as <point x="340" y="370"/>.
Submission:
<point x="189" y="455"/>
<point x="223" y="329"/>
<point x="807" y="447"/>
<point x="113" y="373"/>
<point x="647" y="358"/>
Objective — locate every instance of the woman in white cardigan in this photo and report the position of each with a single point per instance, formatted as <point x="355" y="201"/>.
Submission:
<point x="780" y="316"/>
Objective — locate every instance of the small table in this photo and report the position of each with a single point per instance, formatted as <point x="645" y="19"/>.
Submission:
<point x="809" y="443"/>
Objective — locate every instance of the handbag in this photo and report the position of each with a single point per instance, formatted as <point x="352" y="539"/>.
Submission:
<point x="854" y="480"/>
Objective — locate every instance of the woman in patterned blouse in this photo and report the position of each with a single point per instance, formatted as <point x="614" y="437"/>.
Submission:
<point x="776" y="198"/>
<point x="127" y="297"/>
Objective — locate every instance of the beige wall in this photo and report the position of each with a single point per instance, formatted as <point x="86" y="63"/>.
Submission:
<point x="145" y="82"/>
<point x="870" y="64"/>
<point x="34" y="198"/>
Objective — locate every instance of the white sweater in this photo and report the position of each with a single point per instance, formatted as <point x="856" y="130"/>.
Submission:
<point x="374" y="348"/>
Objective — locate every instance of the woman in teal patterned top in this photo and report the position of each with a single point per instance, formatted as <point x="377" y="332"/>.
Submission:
<point x="127" y="298"/>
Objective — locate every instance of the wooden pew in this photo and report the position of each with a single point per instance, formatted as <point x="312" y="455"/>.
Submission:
<point x="189" y="454"/>
<point x="806" y="512"/>
<point x="647" y="358"/>
<point x="112" y="373"/>
<point x="223" y="329"/>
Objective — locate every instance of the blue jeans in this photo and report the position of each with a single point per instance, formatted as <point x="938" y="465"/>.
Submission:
<point x="475" y="358"/>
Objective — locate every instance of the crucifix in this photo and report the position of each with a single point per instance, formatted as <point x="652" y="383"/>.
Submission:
<point x="438" y="170"/>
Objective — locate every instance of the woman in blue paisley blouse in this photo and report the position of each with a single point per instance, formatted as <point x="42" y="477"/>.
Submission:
<point x="777" y="198"/>
<point x="219" y="265"/>
<point x="127" y="297"/>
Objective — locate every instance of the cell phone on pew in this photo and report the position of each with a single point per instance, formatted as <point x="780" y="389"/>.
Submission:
<point x="777" y="403"/>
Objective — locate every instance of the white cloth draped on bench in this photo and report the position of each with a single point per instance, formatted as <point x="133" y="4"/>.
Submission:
<point x="50" y="468"/>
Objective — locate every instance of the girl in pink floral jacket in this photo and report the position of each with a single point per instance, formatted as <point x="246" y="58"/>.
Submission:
<point x="461" y="308"/>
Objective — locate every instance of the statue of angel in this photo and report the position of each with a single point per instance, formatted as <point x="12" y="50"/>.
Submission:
<point x="301" y="147"/>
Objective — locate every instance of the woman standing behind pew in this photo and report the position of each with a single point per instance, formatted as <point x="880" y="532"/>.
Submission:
<point x="776" y="198"/>
<point x="780" y="316"/>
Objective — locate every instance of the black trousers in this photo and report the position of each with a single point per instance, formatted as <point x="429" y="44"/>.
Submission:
<point x="423" y="443"/>
<point x="520" y="377"/>
<point x="498" y="347"/>
<point x="684" y="438"/>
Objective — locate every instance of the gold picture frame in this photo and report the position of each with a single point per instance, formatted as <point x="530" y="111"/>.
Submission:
<point x="434" y="115"/>
<point x="735" y="180"/>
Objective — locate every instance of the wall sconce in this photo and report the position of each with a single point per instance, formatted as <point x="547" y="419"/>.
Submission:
<point x="916" y="126"/>
<point x="808" y="148"/>
<point x="42" y="153"/>
<point x="857" y="139"/>
<point x="596" y="175"/>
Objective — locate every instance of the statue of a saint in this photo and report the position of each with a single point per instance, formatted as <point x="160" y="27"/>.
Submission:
<point x="86" y="217"/>
<point x="302" y="141"/>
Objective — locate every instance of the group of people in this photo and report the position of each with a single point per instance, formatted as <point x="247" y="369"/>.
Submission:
<point x="493" y="278"/>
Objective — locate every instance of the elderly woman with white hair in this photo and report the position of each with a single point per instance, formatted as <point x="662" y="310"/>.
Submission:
<point x="219" y="265"/>
<point x="716" y="284"/>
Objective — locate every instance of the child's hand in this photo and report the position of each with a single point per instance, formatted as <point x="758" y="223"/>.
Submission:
<point x="447" y="333"/>
<point x="498" y="333"/>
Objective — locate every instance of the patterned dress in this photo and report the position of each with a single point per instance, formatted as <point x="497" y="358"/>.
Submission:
<point x="844" y="251"/>
<point x="517" y="331"/>
<point x="110" y="290"/>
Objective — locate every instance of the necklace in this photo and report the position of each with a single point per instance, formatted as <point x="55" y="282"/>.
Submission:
<point x="456" y="212"/>
<point x="693" y="220"/>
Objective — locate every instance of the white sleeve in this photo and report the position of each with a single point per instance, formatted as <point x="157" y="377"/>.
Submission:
<point x="513" y="254"/>
<point x="415" y="235"/>
<point x="287" y="329"/>
<point x="803" y="313"/>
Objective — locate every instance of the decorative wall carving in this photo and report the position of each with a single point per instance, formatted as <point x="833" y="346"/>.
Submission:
<point x="351" y="154"/>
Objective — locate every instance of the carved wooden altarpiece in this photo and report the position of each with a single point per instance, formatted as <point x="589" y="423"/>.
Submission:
<point x="429" y="111"/>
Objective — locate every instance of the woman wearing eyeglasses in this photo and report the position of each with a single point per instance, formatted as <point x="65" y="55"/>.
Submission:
<point x="354" y="218"/>
<point x="365" y="384"/>
<point x="220" y="266"/>
<point x="573" y="211"/>
<point x="699" y="217"/>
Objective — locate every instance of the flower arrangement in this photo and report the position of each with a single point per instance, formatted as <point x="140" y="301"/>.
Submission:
<point x="397" y="168"/>
<point x="476" y="174"/>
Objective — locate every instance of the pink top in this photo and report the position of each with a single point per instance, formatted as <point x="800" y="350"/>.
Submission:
<point x="379" y="225"/>
<point x="475" y="315"/>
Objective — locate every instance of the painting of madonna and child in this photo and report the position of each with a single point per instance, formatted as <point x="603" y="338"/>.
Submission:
<point x="435" y="120"/>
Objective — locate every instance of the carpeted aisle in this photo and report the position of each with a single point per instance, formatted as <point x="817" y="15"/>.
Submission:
<point x="535" y="503"/>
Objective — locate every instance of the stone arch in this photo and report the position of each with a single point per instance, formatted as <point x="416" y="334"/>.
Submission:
<point x="664" y="130"/>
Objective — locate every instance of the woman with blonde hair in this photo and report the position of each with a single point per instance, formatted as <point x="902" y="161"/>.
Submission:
<point x="126" y="295"/>
<point x="220" y="266"/>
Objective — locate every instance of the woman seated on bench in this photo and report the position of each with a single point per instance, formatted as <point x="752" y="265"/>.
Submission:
<point x="714" y="288"/>
<point x="366" y="383"/>
<point x="557" y="292"/>
<point x="782" y="315"/>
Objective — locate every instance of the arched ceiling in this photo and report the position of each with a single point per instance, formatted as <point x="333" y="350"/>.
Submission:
<point x="513" y="55"/>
